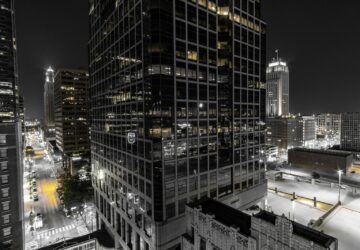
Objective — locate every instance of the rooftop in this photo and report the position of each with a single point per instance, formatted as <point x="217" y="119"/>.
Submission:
<point x="322" y="151"/>
<point x="225" y="214"/>
<point x="300" y="230"/>
<point x="102" y="237"/>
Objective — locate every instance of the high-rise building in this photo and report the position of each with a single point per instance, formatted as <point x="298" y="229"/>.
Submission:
<point x="328" y="124"/>
<point x="350" y="132"/>
<point x="291" y="131"/>
<point x="71" y="116"/>
<point x="49" y="110"/>
<point x="277" y="88"/>
<point x="178" y="110"/>
<point x="11" y="197"/>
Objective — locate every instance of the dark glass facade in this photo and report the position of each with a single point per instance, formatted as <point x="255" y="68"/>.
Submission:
<point x="178" y="108"/>
<point x="11" y="115"/>
<point x="71" y="116"/>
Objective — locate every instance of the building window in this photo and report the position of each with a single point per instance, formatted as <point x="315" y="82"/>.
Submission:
<point x="5" y="192"/>
<point x="2" y="139"/>
<point x="3" y="153"/>
<point x="6" y="218"/>
<point x="3" y="166"/>
<point x="7" y="231"/>
<point x="5" y="179"/>
<point x="6" y="205"/>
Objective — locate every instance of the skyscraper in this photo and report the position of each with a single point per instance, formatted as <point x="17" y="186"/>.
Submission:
<point x="49" y="111"/>
<point x="277" y="88"/>
<point x="178" y="104"/>
<point x="11" y="198"/>
<point x="71" y="116"/>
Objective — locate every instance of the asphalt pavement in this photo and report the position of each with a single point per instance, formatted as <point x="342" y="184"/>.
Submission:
<point x="55" y="225"/>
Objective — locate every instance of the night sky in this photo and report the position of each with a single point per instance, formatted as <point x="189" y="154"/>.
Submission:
<point x="320" y="39"/>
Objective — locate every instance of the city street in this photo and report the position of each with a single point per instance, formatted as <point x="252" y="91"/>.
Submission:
<point x="51" y="225"/>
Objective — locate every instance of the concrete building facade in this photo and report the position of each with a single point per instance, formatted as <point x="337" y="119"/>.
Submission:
<point x="328" y="161"/>
<point x="213" y="225"/>
<point x="291" y="131"/>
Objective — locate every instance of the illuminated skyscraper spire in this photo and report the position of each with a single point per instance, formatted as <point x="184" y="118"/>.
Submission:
<point x="277" y="87"/>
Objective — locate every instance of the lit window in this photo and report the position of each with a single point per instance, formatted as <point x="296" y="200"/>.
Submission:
<point x="6" y="218"/>
<point x="3" y="153"/>
<point x="212" y="6"/>
<point x="7" y="231"/>
<point x="3" y="166"/>
<point x="4" y="179"/>
<point x="5" y="205"/>
<point x="192" y="55"/>
<point x="223" y="11"/>
<point x="4" y="192"/>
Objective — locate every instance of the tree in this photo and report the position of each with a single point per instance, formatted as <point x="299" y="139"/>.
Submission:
<point x="74" y="191"/>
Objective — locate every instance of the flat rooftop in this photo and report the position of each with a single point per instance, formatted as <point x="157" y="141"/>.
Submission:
<point x="300" y="230"/>
<point x="225" y="214"/>
<point x="322" y="151"/>
<point x="102" y="237"/>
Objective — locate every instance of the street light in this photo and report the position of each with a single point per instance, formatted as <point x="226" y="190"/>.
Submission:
<point x="339" y="172"/>
<point x="293" y="208"/>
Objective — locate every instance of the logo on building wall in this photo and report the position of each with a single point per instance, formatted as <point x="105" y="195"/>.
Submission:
<point x="131" y="137"/>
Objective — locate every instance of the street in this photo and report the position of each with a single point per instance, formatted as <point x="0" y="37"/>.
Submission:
<point x="50" y="224"/>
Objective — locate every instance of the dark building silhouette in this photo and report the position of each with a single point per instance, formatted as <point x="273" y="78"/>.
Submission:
<point x="177" y="103"/>
<point x="11" y="185"/>
<point x="71" y="117"/>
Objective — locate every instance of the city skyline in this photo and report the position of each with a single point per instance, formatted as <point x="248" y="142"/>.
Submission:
<point x="179" y="125"/>
<point x="43" y="47"/>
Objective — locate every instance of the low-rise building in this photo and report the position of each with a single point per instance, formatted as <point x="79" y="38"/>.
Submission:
<point x="290" y="131"/>
<point x="214" y="225"/>
<point x="320" y="160"/>
<point x="98" y="240"/>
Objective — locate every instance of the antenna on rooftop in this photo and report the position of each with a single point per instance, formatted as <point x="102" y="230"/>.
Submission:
<point x="277" y="54"/>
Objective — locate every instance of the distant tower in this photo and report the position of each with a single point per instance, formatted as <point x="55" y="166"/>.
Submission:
<point x="277" y="88"/>
<point x="49" y="114"/>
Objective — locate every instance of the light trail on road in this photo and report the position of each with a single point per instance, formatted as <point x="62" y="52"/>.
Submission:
<point x="48" y="191"/>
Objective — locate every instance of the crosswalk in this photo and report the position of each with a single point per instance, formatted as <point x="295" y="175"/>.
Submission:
<point x="31" y="245"/>
<point x="82" y="230"/>
<point x="54" y="231"/>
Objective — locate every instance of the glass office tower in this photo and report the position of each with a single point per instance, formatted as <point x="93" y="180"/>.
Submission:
<point x="178" y="103"/>
<point x="11" y="185"/>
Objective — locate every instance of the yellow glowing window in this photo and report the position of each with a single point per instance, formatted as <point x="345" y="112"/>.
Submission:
<point x="202" y="3"/>
<point x="211" y="6"/>
<point x="222" y="45"/>
<point x="192" y="55"/>
<point x="237" y="18"/>
<point x="223" y="11"/>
